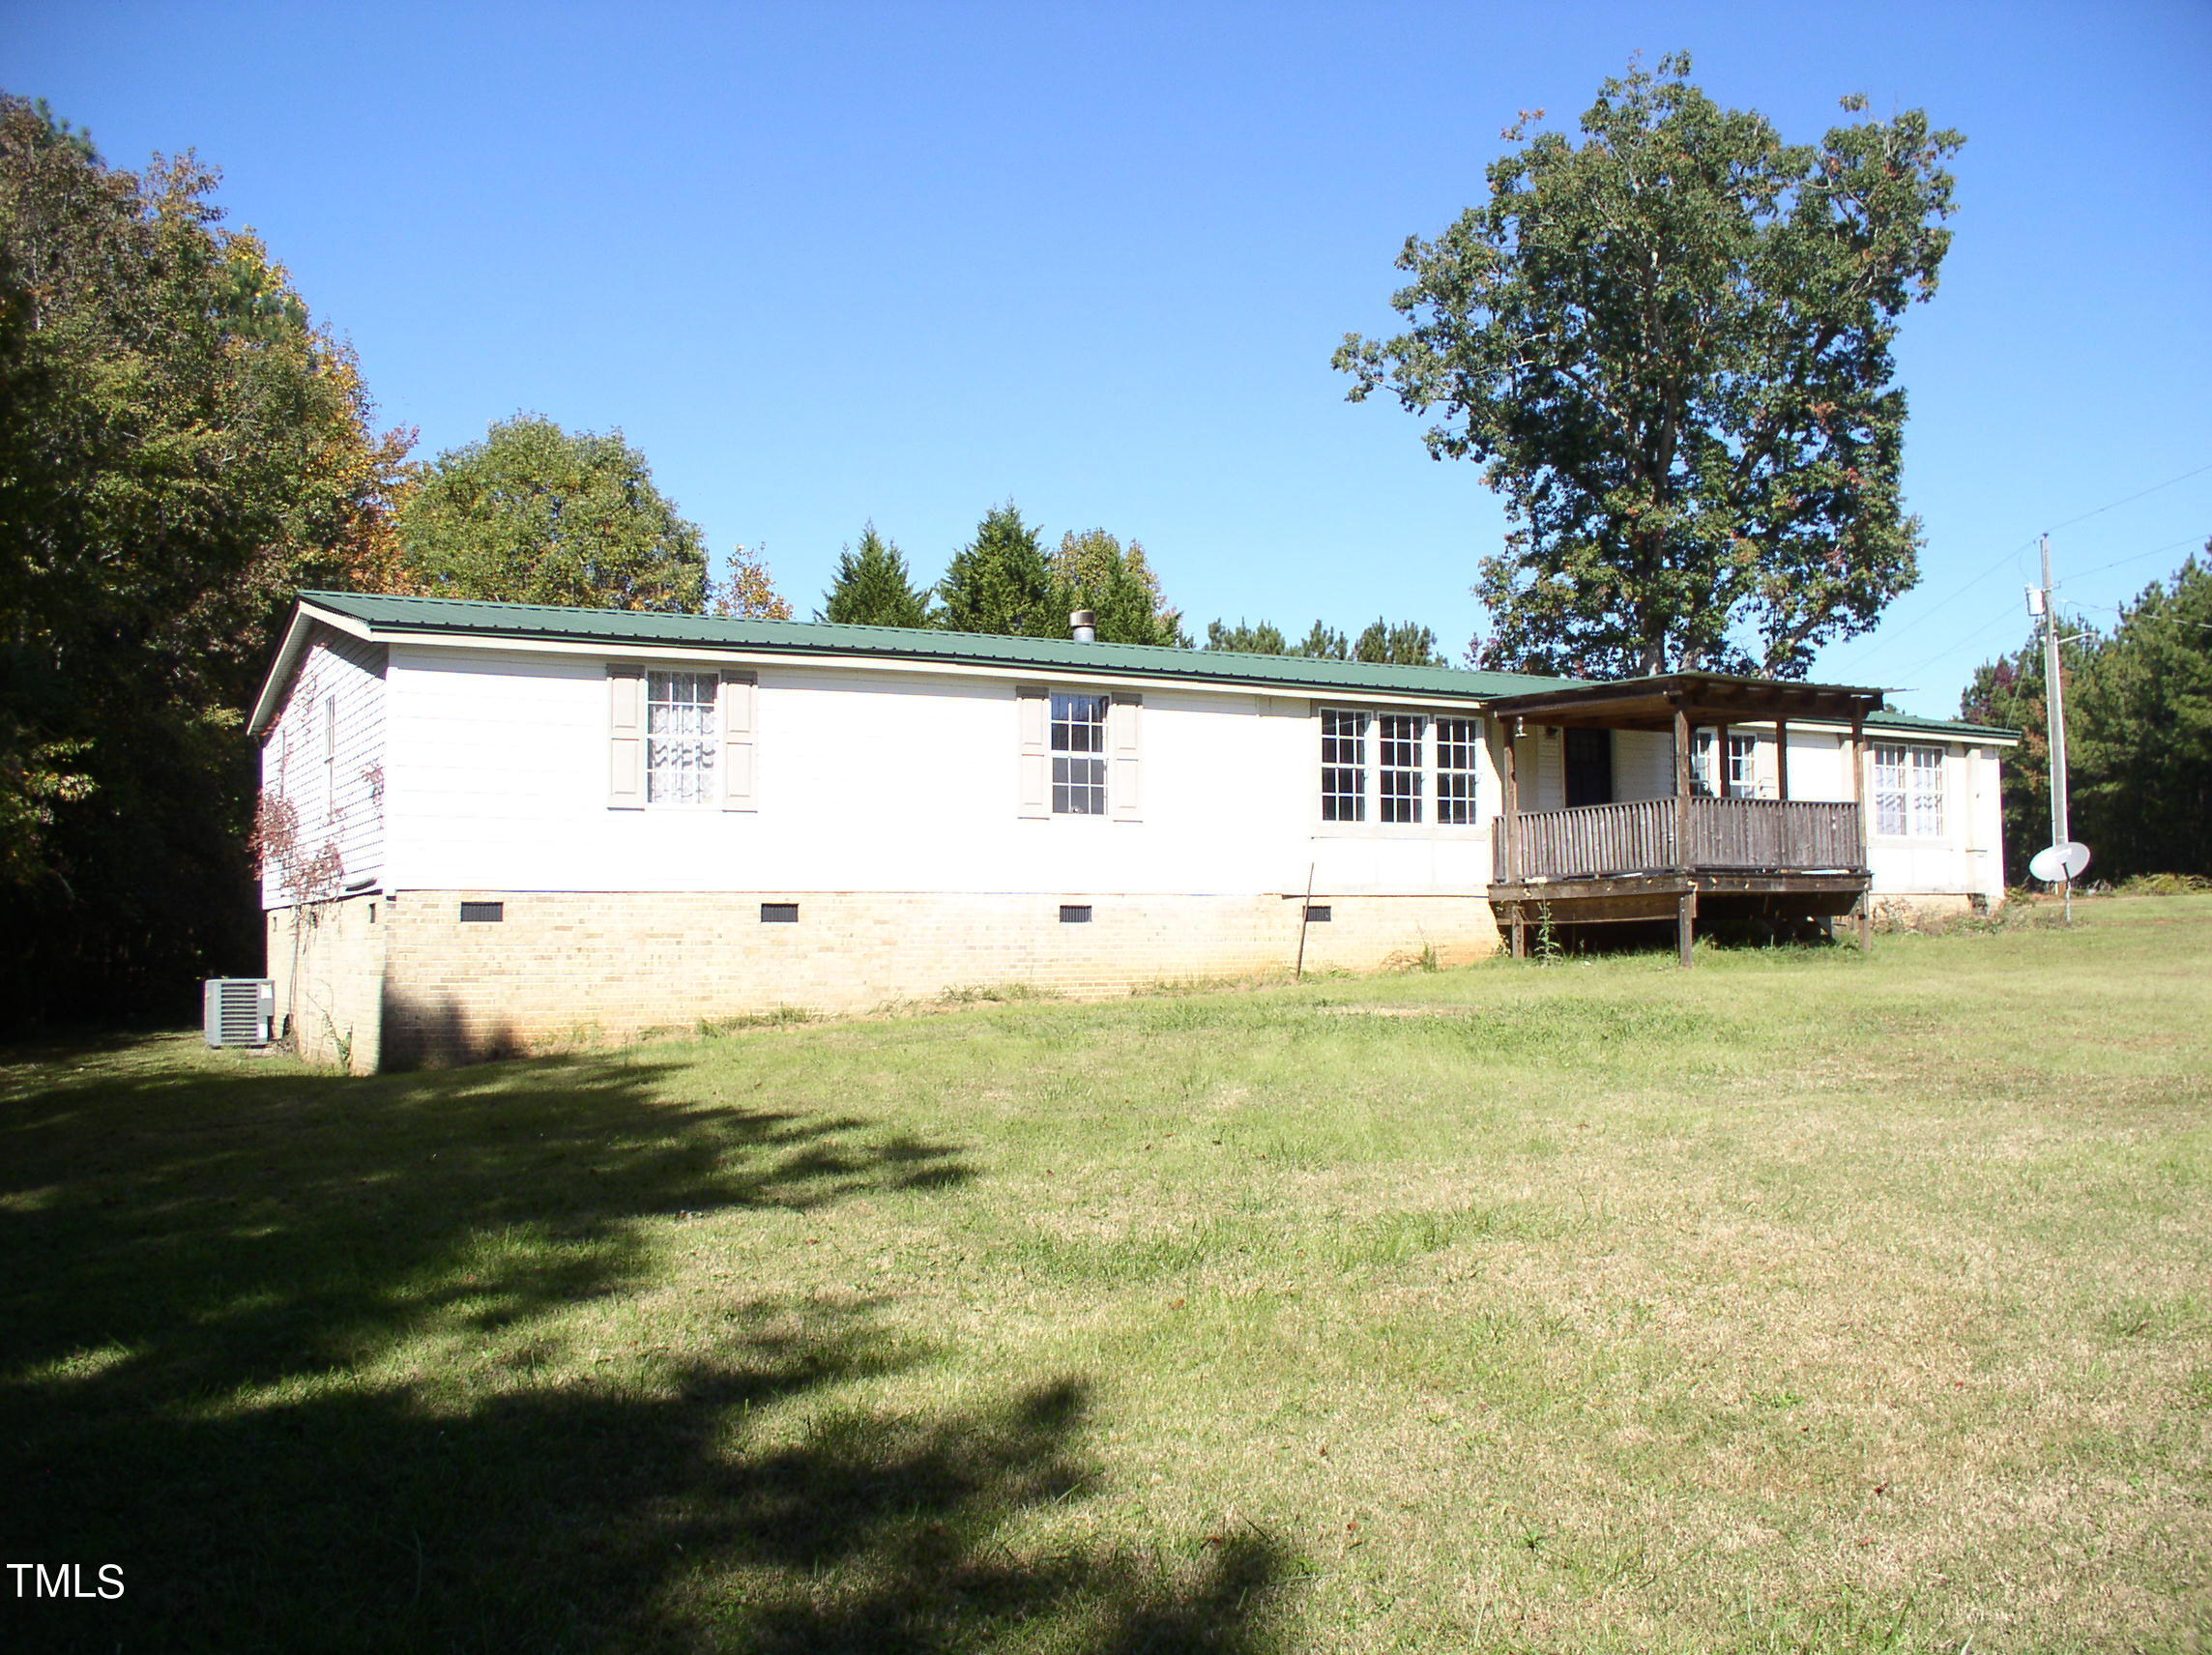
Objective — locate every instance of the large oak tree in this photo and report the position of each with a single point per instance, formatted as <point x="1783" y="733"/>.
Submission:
<point x="538" y="514"/>
<point x="1669" y="346"/>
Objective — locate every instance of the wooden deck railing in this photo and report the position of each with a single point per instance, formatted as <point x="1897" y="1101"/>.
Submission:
<point x="1591" y="841"/>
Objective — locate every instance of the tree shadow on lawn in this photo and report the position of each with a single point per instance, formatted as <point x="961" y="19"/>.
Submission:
<point x="202" y="1269"/>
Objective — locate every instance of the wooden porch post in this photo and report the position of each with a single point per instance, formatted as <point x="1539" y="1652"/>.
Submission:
<point x="1782" y="758"/>
<point x="1511" y="730"/>
<point x="1686" y="905"/>
<point x="1681" y="788"/>
<point x="1858" y="797"/>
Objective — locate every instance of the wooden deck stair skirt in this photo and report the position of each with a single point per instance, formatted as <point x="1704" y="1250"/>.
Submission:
<point x="1599" y="841"/>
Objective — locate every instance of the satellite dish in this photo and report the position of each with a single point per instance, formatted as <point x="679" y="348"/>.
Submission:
<point x="2060" y="863"/>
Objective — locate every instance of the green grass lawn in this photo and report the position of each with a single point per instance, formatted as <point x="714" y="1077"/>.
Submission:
<point x="1806" y="1301"/>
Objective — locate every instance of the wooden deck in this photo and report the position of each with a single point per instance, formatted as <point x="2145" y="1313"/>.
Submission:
<point x="1782" y="861"/>
<point x="1660" y="860"/>
<point x="1667" y="835"/>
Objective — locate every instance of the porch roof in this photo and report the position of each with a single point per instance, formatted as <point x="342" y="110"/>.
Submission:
<point x="1706" y="698"/>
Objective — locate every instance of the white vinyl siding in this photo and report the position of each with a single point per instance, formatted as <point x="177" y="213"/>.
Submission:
<point x="322" y="754"/>
<point x="913" y="781"/>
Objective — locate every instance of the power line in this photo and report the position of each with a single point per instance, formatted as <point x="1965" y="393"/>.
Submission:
<point x="2137" y="558"/>
<point x="1930" y="614"/>
<point x="2127" y="500"/>
<point x="1943" y="603"/>
<point x="1957" y="643"/>
<point x="2139" y="615"/>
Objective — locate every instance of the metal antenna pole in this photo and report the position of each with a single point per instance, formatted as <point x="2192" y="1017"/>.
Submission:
<point x="2054" y="721"/>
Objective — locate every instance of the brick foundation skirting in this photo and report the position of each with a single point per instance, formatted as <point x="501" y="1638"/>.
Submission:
<point x="404" y="982"/>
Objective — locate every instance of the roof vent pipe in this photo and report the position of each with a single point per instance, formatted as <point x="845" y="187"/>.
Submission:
<point x="1083" y="625"/>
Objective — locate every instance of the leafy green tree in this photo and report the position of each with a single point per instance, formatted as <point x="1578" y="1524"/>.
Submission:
<point x="536" y="514"/>
<point x="1000" y="582"/>
<point x="1669" y="348"/>
<point x="181" y="446"/>
<point x="749" y="593"/>
<point x="872" y="587"/>
<point x="1093" y="570"/>
<point x="1397" y="644"/>
<point x="1264" y="639"/>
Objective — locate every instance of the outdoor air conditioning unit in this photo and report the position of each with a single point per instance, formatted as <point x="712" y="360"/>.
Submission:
<point x="239" y="1011"/>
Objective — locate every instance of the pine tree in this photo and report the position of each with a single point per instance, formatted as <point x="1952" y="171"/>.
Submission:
<point x="1000" y="582"/>
<point x="1264" y="639"/>
<point x="1403" y="644"/>
<point x="1324" y="643"/>
<point x="872" y="588"/>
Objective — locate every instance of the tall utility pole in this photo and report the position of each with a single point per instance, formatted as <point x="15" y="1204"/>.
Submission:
<point x="2054" y="719"/>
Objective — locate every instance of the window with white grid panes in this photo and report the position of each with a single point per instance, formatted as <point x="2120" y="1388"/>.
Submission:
<point x="1743" y="767"/>
<point x="680" y="738"/>
<point x="1078" y="754"/>
<point x="1398" y="750"/>
<point x="1457" y="739"/>
<point x="1414" y="759"/>
<point x="1740" y="767"/>
<point x="1908" y="792"/>
<point x="1343" y="765"/>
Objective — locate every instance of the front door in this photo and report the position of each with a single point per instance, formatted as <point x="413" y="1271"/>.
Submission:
<point x="1590" y="767"/>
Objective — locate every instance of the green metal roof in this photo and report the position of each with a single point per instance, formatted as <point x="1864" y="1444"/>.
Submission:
<point x="1939" y="726"/>
<point x="457" y="615"/>
<point x="460" y="616"/>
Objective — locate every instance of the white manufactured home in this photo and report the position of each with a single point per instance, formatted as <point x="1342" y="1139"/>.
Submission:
<point x="499" y="828"/>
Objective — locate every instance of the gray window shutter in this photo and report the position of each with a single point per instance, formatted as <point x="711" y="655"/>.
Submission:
<point x="739" y="786"/>
<point x="625" y="738"/>
<point x="1125" y="789"/>
<point x="1035" y="705"/>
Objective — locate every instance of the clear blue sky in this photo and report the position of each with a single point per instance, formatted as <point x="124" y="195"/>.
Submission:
<point x="825" y="263"/>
